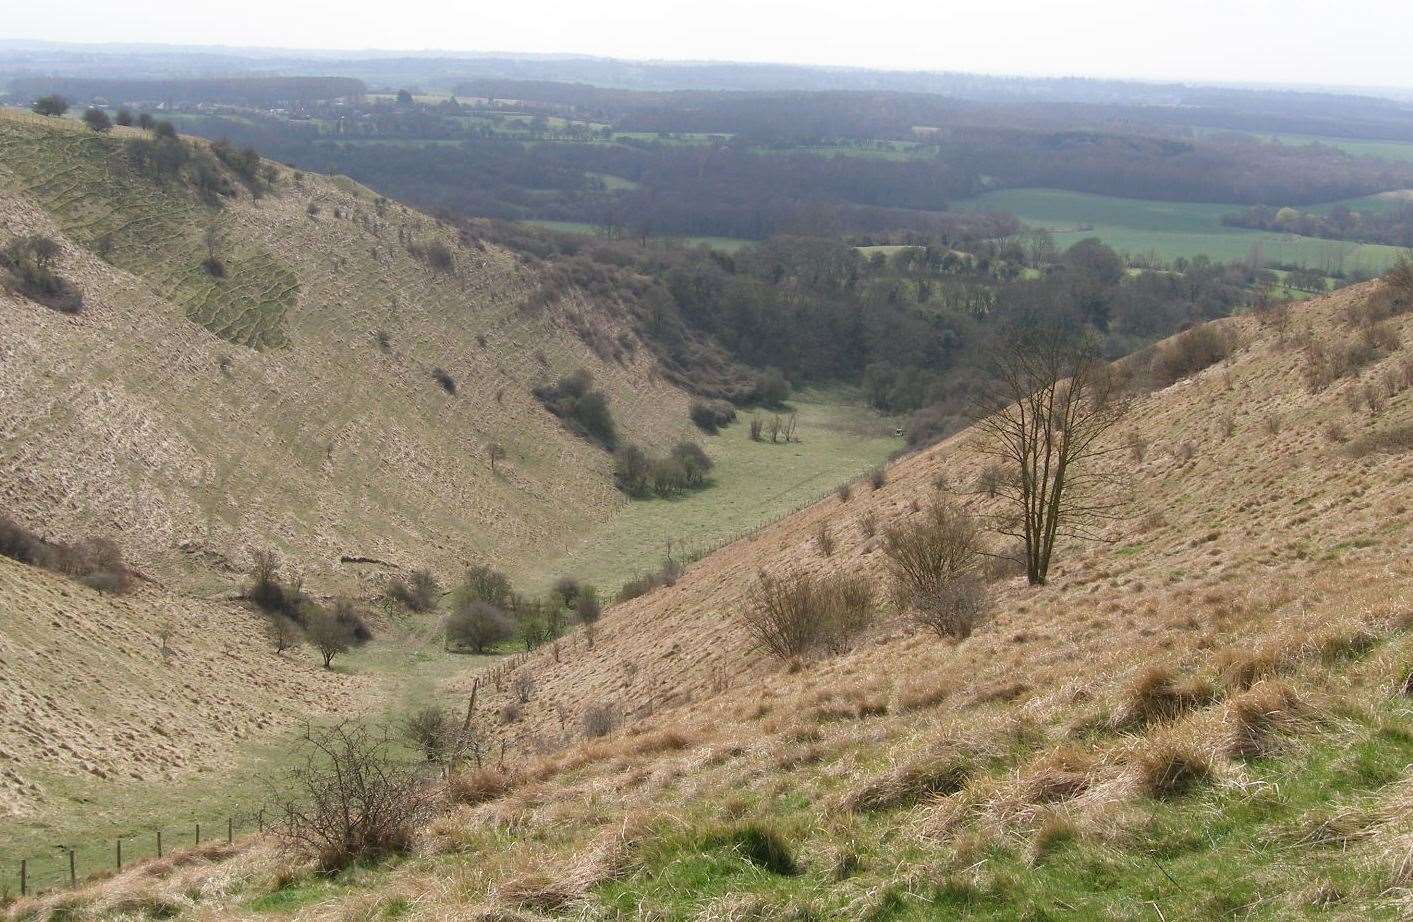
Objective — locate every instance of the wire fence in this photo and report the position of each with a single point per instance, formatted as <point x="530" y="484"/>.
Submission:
<point x="78" y="860"/>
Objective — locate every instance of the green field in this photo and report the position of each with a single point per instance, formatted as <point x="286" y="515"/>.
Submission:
<point x="1173" y="229"/>
<point x="753" y="482"/>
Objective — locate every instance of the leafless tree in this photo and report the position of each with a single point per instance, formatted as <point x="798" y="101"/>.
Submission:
<point x="1060" y="404"/>
<point x="496" y="452"/>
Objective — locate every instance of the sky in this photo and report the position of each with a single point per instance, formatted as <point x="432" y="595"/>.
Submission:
<point x="1348" y="43"/>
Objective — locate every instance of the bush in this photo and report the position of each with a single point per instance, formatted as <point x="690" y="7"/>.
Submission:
<point x="50" y="105"/>
<point x="935" y="564"/>
<point x="586" y="607"/>
<point x="598" y="720"/>
<point x="96" y="562"/>
<point x="478" y="625"/>
<point x="1190" y="352"/>
<point x="420" y="593"/>
<point x="757" y="429"/>
<point x="584" y="409"/>
<point x="97" y="120"/>
<point x="432" y="730"/>
<point x="877" y="478"/>
<point x="124" y="117"/>
<point x="825" y="539"/>
<point x="434" y="253"/>
<point x="351" y="799"/>
<point x="283" y="632"/>
<point x="711" y="415"/>
<point x="483" y="584"/>
<point x="30" y="261"/>
<point x="444" y="380"/>
<point x="640" y="476"/>
<point x="797" y="614"/>
<point x="772" y="389"/>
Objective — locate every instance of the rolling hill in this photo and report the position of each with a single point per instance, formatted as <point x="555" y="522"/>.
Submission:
<point x="1204" y="715"/>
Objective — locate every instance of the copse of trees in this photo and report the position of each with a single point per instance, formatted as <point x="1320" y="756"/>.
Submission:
<point x="96" y="561"/>
<point x="640" y="475"/>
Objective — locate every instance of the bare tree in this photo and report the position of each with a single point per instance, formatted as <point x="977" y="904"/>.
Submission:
<point x="1060" y="404"/>
<point x="496" y="451"/>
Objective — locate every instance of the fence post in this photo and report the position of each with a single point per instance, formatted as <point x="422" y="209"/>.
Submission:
<point x="24" y="877"/>
<point x="159" y="843"/>
<point x="260" y="819"/>
<point x="73" y="869"/>
<point x="198" y="833"/>
<point x="230" y="830"/>
<point x="120" y="853"/>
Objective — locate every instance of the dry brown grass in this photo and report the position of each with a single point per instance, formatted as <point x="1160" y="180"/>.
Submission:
<point x="472" y="786"/>
<point x="923" y="776"/>
<point x="1158" y="692"/>
<point x="1259" y="719"/>
<point x="1166" y="766"/>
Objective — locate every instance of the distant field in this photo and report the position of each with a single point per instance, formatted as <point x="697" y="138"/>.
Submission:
<point x="1362" y="147"/>
<point x="754" y="482"/>
<point x="723" y="244"/>
<point x="1172" y="229"/>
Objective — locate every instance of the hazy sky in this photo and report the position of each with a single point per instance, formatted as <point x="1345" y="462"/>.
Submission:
<point x="1280" y="41"/>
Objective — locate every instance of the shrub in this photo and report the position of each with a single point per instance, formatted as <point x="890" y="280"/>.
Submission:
<point x="18" y="543"/>
<point x="164" y="129"/>
<point x="584" y="409"/>
<point x="483" y="584"/>
<point x="877" y="478"/>
<point x="1188" y="353"/>
<point x="640" y="476"/>
<point x="98" y="563"/>
<point x="97" y="120"/>
<point x="567" y="589"/>
<point x="351" y="799"/>
<point x="868" y="523"/>
<point x="124" y="117"/>
<point x="30" y="261"/>
<point x="843" y="491"/>
<point x="434" y="253"/>
<point x="935" y="565"/>
<point x="598" y="720"/>
<point x="419" y="593"/>
<point x="711" y="415"/>
<point x="757" y="429"/>
<point x="478" y="625"/>
<point x="432" y="730"/>
<point x="796" y="614"/>
<point x="445" y="380"/>
<point x="50" y="105"/>
<point x="772" y="389"/>
<point x="586" y="606"/>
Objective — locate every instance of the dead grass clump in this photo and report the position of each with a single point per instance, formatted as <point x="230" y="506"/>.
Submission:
<point x="762" y="844"/>
<point x="1157" y="693"/>
<point x="928" y="775"/>
<point x="660" y="742"/>
<point x="921" y="695"/>
<point x="480" y="785"/>
<point x="536" y="891"/>
<point x="1343" y="641"/>
<point x="1240" y="669"/>
<point x="1058" y="775"/>
<point x="1257" y="719"/>
<point x="1164" y="767"/>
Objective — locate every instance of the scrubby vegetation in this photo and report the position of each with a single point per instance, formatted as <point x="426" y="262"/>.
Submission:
<point x="640" y="475"/>
<point x="31" y="262"/>
<point x="95" y="561"/>
<point x="797" y="614"/>
<point x="583" y="407"/>
<point x="935" y="560"/>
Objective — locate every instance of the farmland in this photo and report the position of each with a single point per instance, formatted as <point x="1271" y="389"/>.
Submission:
<point x="1173" y="229"/>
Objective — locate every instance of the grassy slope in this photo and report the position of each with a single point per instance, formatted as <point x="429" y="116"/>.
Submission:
<point x="753" y="482"/>
<point x="1268" y="542"/>
<point x="1172" y="229"/>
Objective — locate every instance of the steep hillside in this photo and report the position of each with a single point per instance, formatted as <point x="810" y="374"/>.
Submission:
<point x="301" y="399"/>
<point x="1204" y="716"/>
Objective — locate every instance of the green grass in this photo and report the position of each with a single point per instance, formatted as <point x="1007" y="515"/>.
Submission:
<point x="752" y="483"/>
<point x="1173" y="229"/>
